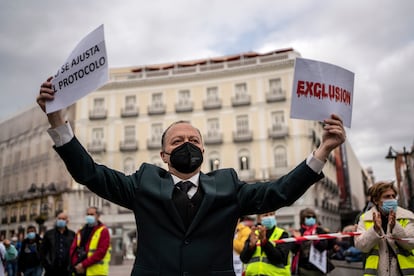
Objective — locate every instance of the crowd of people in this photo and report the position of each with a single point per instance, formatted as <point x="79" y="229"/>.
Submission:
<point x="60" y="251"/>
<point x="379" y="241"/>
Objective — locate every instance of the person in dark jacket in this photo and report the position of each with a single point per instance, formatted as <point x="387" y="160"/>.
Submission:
<point x="54" y="251"/>
<point x="29" y="256"/>
<point x="301" y="264"/>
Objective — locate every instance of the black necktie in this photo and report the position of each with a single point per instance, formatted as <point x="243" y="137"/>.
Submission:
<point x="184" y="186"/>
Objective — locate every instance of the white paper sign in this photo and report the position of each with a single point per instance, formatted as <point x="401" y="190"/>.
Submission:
<point x="85" y="70"/>
<point x="318" y="258"/>
<point x="321" y="89"/>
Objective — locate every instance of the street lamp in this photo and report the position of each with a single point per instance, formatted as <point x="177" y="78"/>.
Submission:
<point x="43" y="208"/>
<point x="401" y="158"/>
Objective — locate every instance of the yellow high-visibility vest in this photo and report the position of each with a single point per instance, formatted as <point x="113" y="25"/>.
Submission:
<point x="101" y="267"/>
<point x="405" y="259"/>
<point x="260" y="265"/>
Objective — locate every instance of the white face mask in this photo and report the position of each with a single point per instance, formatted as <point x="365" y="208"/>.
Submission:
<point x="90" y="220"/>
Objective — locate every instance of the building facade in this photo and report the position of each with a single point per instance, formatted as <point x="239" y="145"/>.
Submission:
<point x="241" y="105"/>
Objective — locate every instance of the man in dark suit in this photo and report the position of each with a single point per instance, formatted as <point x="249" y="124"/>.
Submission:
<point x="185" y="218"/>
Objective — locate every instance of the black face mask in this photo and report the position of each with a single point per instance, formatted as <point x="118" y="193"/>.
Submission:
<point x="186" y="158"/>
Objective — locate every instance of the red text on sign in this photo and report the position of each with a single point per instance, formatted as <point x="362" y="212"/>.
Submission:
<point x="321" y="91"/>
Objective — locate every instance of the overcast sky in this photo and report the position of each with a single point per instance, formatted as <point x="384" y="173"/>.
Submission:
<point x="372" y="38"/>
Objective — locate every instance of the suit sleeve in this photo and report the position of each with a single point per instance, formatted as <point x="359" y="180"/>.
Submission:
<point x="269" y="196"/>
<point x="110" y="184"/>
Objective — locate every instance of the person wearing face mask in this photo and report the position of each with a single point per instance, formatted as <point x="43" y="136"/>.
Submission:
<point x="242" y="233"/>
<point x="90" y="251"/>
<point x="54" y="251"/>
<point x="261" y="255"/>
<point x="301" y="264"/>
<point x="28" y="261"/>
<point x="381" y="228"/>
<point x="185" y="218"/>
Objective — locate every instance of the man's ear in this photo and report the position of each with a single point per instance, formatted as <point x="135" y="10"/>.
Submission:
<point x="163" y="156"/>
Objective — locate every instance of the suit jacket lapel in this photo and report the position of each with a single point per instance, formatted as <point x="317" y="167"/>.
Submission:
<point x="166" y="190"/>
<point x="209" y="186"/>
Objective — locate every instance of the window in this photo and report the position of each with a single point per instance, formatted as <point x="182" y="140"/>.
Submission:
<point x="212" y="93"/>
<point x="275" y="86"/>
<point x="214" y="161"/>
<point x="156" y="132"/>
<point x="95" y="201"/>
<point x="213" y="127"/>
<point x="97" y="134"/>
<point x="280" y="156"/>
<point x="59" y="205"/>
<point x="242" y="126"/>
<point x="278" y="119"/>
<point x="184" y="96"/>
<point x="33" y="209"/>
<point x="129" y="133"/>
<point x="244" y="162"/>
<point x="157" y="100"/>
<point x="241" y="91"/>
<point x="212" y="100"/>
<point x="214" y="164"/>
<point x="98" y="104"/>
<point x="130" y="102"/>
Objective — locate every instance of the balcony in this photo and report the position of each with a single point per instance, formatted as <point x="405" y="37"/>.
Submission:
<point x="23" y="218"/>
<point x="184" y="107"/>
<point x="276" y="95"/>
<point x="154" y="144"/>
<point x="246" y="175"/>
<point x="212" y="104"/>
<point x="96" y="146"/>
<point x="242" y="136"/>
<point x="98" y="114"/>
<point x="278" y="131"/>
<point x="240" y="100"/>
<point x="214" y="138"/>
<point x="128" y="145"/>
<point x="4" y="221"/>
<point x="129" y="111"/>
<point x="156" y="109"/>
<point x="13" y="219"/>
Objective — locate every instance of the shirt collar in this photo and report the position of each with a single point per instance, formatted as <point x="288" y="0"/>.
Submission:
<point x="195" y="179"/>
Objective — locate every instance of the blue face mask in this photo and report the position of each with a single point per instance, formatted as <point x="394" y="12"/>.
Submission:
<point x="61" y="223"/>
<point x="31" y="235"/>
<point x="269" y="222"/>
<point x="310" y="221"/>
<point x="90" y="220"/>
<point x="389" y="204"/>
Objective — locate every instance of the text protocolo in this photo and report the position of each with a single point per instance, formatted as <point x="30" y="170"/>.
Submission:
<point x="85" y="70"/>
